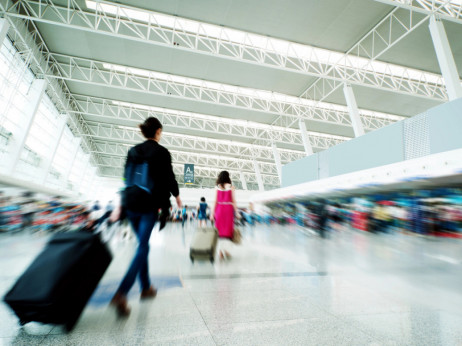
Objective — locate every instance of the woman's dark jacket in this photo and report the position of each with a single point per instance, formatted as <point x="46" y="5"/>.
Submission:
<point x="160" y="170"/>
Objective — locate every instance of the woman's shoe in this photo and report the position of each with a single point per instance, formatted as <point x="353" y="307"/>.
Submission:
<point x="150" y="293"/>
<point x="119" y="301"/>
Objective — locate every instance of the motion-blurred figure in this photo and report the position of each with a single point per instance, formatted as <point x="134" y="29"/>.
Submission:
<point x="202" y="213"/>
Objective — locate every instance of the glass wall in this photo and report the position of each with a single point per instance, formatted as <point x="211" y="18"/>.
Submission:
<point x="70" y="169"/>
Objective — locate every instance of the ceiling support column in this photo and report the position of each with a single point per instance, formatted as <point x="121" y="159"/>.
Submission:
<point x="277" y="160"/>
<point x="243" y="182"/>
<point x="445" y="58"/>
<point x="353" y="110"/>
<point x="4" y="26"/>
<point x="72" y="158"/>
<point x="305" y="139"/>
<point x="84" y="173"/>
<point x="261" y="187"/>
<point x="48" y="161"/>
<point x="36" y="91"/>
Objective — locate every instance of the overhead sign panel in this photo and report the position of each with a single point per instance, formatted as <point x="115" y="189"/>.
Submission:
<point x="189" y="173"/>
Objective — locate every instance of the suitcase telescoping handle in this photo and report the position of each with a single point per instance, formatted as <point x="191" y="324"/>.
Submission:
<point x="107" y="230"/>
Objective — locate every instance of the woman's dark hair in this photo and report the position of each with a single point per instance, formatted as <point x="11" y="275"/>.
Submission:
<point x="223" y="178"/>
<point x="150" y="127"/>
<point x="202" y="199"/>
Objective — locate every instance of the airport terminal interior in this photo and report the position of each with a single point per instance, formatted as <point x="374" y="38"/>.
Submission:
<point x="316" y="149"/>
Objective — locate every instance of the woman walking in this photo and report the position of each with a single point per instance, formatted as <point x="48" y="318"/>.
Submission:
<point x="143" y="217"/>
<point x="223" y="213"/>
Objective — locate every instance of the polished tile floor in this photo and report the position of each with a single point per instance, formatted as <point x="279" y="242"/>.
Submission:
<point x="282" y="287"/>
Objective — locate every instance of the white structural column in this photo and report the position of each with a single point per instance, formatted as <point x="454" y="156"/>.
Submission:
<point x="72" y="157"/>
<point x="243" y="182"/>
<point x="4" y="26"/>
<point x="92" y="184"/>
<point x="445" y="58"/>
<point x="48" y="161"/>
<point x="35" y="95"/>
<point x="84" y="173"/>
<point x="306" y="141"/>
<point x="277" y="160"/>
<point x="261" y="187"/>
<point x="353" y="110"/>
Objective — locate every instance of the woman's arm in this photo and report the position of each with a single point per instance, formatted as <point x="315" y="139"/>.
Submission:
<point x="212" y="211"/>
<point x="233" y="199"/>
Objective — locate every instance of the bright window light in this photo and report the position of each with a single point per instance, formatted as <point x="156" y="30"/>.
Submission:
<point x="269" y="44"/>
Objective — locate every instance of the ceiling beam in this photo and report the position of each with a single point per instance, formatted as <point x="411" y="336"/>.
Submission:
<point x="110" y="110"/>
<point x="394" y="27"/>
<point x="150" y="82"/>
<point x="109" y="18"/>
<point x="110" y="135"/>
<point x="445" y="9"/>
<point x="202" y="172"/>
<point x="203" y="160"/>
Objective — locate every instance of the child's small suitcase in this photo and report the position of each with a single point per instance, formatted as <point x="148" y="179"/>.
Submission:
<point x="203" y="244"/>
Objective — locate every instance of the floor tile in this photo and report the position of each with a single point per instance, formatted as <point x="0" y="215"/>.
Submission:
<point x="254" y="306"/>
<point x="280" y="287"/>
<point x="143" y="334"/>
<point x="416" y="327"/>
<point x="316" y="331"/>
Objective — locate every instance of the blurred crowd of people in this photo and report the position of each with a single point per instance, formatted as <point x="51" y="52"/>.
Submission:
<point x="424" y="215"/>
<point x="27" y="210"/>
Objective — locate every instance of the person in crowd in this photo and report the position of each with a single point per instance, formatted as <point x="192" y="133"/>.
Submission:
<point x="161" y="173"/>
<point x="223" y="213"/>
<point x="96" y="206"/>
<point x="184" y="215"/>
<point x="109" y="206"/>
<point x="202" y="213"/>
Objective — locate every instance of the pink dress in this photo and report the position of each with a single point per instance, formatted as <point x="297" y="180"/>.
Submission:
<point x="224" y="214"/>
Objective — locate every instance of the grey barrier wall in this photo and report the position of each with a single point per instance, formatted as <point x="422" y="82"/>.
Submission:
<point x="437" y="130"/>
<point x="300" y="171"/>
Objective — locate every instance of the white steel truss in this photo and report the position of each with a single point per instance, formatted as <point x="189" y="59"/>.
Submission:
<point x="202" y="172"/>
<point x="113" y="133"/>
<point x="132" y="23"/>
<point x="388" y="32"/>
<point x="447" y="9"/>
<point x="200" y="160"/>
<point x="110" y="109"/>
<point x="151" y="82"/>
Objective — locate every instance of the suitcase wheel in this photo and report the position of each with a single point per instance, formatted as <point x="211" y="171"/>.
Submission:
<point x="23" y="322"/>
<point x="69" y="326"/>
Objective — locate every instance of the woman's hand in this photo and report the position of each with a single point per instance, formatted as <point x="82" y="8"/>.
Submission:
<point x="178" y="201"/>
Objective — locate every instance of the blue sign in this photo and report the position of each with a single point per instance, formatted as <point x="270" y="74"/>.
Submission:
<point x="188" y="173"/>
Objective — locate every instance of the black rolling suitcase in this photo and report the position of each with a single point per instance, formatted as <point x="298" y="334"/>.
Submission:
<point x="59" y="282"/>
